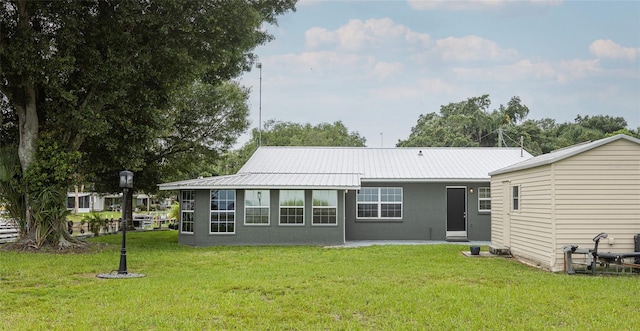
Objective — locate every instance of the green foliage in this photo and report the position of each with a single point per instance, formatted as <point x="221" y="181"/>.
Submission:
<point x="11" y="186"/>
<point x="53" y="168"/>
<point x="49" y="215"/>
<point x="470" y="123"/>
<point x="174" y="211"/>
<point x="98" y="77"/>
<point x="415" y="287"/>
<point x="96" y="221"/>
<point x="203" y="123"/>
<point x="276" y="133"/>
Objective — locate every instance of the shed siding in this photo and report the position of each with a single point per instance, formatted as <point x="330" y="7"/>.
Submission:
<point x="598" y="191"/>
<point x="531" y="226"/>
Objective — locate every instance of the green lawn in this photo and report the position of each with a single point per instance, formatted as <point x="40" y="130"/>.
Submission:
<point x="302" y="288"/>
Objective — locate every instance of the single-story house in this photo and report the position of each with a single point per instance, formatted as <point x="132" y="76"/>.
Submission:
<point x="329" y="195"/>
<point x="85" y="201"/>
<point x="567" y="197"/>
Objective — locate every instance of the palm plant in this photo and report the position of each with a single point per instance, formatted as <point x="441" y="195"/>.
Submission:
<point x="11" y="188"/>
<point x="95" y="221"/>
<point x="50" y="214"/>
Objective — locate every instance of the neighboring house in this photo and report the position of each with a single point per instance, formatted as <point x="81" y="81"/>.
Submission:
<point x="87" y="201"/>
<point x="567" y="197"/>
<point x="329" y="195"/>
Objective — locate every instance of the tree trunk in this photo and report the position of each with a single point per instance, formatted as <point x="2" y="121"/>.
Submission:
<point x="26" y="108"/>
<point x="128" y="209"/>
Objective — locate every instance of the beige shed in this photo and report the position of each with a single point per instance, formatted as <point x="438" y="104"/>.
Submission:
<point x="567" y="197"/>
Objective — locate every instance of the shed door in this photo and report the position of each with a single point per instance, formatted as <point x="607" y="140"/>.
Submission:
<point x="506" y="214"/>
<point x="457" y="212"/>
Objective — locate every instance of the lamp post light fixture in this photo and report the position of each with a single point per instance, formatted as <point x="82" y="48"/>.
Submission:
<point x="126" y="183"/>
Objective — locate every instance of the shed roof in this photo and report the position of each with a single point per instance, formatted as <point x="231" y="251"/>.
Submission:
<point x="561" y="154"/>
<point x="347" y="167"/>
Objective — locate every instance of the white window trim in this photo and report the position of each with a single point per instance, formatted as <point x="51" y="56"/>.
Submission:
<point x="227" y="212"/>
<point x="304" y="221"/>
<point x="380" y="202"/>
<point x="513" y="198"/>
<point x="324" y="207"/>
<point x="190" y="211"/>
<point x="268" y="207"/>
<point x="484" y="199"/>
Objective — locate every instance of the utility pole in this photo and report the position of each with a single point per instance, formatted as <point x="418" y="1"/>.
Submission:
<point x="259" y="66"/>
<point x="500" y="137"/>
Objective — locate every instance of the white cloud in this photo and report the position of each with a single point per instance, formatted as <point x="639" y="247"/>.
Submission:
<point x="471" y="48"/>
<point x="574" y="69"/>
<point x="383" y="70"/>
<point x="524" y="70"/>
<point x="316" y="37"/>
<point x="421" y="88"/>
<point x="318" y="61"/>
<point x="436" y="86"/>
<point x="454" y="5"/>
<point x="609" y="49"/>
<point x="357" y="35"/>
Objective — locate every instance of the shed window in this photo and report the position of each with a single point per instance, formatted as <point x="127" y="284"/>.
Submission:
<point x="256" y="207"/>
<point x="223" y="211"/>
<point x="187" y="206"/>
<point x="291" y="207"/>
<point x="515" y="197"/>
<point x="325" y="207"/>
<point x="484" y="199"/>
<point x="379" y="202"/>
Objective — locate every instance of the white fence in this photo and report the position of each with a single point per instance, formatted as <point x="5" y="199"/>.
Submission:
<point x="8" y="232"/>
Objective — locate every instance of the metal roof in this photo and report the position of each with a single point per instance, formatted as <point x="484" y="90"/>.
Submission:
<point x="270" y="181"/>
<point x="561" y="154"/>
<point x="397" y="164"/>
<point x="347" y="167"/>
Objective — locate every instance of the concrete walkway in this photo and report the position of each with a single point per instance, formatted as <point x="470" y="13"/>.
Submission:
<point x="364" y="243"/>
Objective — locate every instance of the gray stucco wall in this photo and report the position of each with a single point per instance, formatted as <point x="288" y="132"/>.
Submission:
<point x="272" y="234"/>
<point x="424" y="214"/>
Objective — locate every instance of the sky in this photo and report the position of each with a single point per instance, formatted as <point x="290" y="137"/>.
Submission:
<point x="377" y="65"/>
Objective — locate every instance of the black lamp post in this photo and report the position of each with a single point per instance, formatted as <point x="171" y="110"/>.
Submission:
<point x="126" y="182"/>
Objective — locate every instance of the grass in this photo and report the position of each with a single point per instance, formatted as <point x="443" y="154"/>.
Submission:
<point x="104" y="214"/>
<point x="431" y="287"/>
<point x="111" y="214"/>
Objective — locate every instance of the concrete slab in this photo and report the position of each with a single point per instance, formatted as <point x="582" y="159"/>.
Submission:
<point x="365" y="243"/>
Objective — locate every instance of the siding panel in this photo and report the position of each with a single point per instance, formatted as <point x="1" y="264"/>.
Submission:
<point x="599" y="191"/>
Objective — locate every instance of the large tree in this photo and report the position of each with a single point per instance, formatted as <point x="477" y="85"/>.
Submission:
<point x="470" y="123"/>
<point x="279" y="133"/>
<point x="465" y="124"/>
<point x="86" y="76"/>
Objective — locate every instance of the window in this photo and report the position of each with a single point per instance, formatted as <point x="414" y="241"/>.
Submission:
<point x="223" y="211"/>
<point x="83" y="202"/>
<point x="256" y="207"/>
<point x="325" y="207"/>
<point x="292" y="207"/>
<point x="187" y="206"/>
<point x="484" y="199"/>
<point x="379" y="202"/>
<point x="515" y="197"/>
